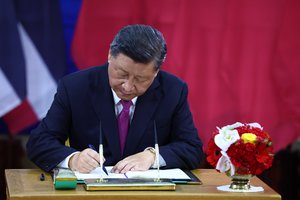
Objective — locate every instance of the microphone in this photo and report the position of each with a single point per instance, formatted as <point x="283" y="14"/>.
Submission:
<point x="156" y="152"/>
<point x="101" y="151"/>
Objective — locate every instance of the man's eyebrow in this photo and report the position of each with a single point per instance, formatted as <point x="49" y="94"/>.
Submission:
<point x="139" y="76"/>
<point x="121" y="69"/>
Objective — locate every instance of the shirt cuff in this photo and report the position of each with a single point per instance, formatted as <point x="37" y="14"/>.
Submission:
<point x="65" y="162"/>
<point x="162" y="161"/>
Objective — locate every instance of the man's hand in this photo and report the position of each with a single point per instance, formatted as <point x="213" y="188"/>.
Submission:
<point x="85" y="161"/>
<point x="138" y="162"/>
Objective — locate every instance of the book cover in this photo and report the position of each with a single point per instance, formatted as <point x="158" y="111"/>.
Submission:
<point x="128" y="184"/>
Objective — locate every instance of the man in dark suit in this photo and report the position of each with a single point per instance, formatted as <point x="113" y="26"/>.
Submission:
<point x="97" y="95"/>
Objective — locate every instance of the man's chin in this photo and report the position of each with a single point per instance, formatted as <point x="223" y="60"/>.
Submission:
<point x="125" y="97"/>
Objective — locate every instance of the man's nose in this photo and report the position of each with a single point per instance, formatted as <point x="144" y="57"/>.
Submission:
<point x="128" y="85"/>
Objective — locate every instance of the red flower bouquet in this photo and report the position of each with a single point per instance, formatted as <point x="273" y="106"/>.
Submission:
<point x="243" y="149"/>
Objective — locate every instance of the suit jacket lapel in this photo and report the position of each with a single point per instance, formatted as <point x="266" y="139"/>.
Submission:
<point x="143" y="115"/>
<point x="103" y="103"/>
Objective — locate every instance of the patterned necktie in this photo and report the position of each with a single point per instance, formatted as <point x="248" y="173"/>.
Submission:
<point x="123" y="122"/>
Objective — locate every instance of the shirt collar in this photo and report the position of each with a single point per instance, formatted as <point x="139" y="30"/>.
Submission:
<point x="117" y="99"/>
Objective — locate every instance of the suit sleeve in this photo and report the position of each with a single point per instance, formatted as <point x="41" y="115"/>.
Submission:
<point x="185" y="148"/>
<point x="45" y="146"/>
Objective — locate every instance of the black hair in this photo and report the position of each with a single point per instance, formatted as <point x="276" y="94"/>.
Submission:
<point x="142" y="43"/>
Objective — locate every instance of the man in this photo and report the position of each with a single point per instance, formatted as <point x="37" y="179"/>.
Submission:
<point x="153" y="98"/>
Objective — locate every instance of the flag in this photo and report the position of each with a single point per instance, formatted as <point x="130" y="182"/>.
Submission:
<point x="239" y="58"/>
<point x="32" y="59"/>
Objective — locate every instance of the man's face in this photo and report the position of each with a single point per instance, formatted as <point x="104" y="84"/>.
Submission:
<point x="128" y="78"/>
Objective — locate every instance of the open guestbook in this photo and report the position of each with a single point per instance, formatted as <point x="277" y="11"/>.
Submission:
<point x="152" y="179"/>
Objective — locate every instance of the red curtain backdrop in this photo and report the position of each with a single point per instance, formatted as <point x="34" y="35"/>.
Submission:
<point x="241" y="59"/>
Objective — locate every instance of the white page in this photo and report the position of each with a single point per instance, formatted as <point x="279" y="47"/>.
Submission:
<point x="97" y="173"/>
<point x="164" y="174"/>
<point x="152" y="173"/>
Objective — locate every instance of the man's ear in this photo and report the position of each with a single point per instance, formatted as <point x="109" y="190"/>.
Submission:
<point x="156" y="73"/>
<point x="109" y="56"/>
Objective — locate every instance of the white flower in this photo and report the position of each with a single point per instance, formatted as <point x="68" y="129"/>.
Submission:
<point x="232" y="126"/>
<point x="224" y="164"/>
<point x="225" y="138"/>
<point x="255" y="125"/>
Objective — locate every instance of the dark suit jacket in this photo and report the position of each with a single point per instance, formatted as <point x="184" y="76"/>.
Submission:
<point x="85" y="97"/>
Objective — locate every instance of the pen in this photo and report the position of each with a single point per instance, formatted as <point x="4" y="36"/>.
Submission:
<point x="103" y="167"/>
